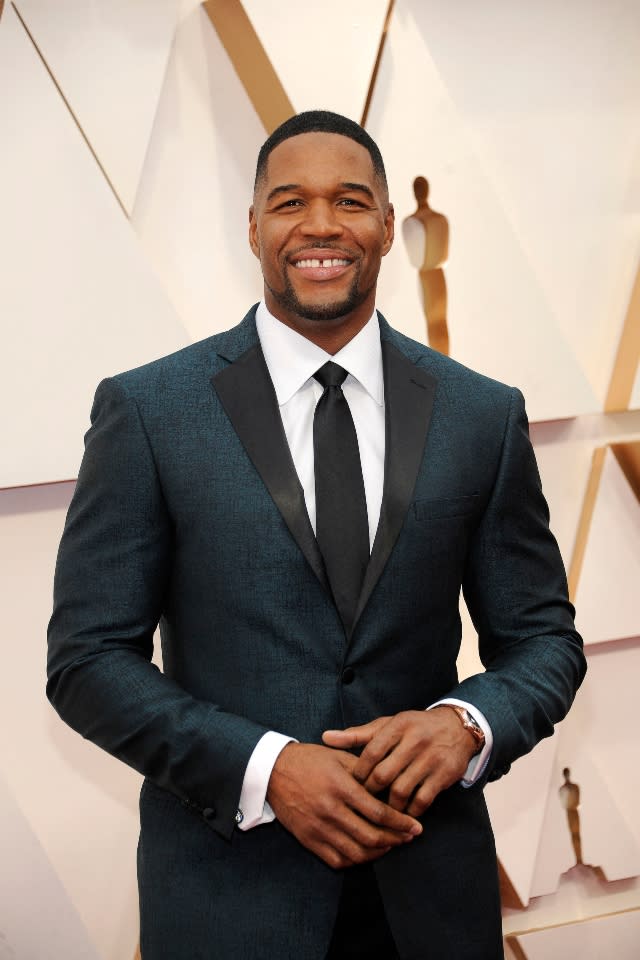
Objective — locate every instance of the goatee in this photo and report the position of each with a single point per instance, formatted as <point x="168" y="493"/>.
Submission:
<point x="330" y="310"/>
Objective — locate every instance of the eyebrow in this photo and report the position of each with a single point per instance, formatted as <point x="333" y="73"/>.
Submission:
<point x="347" y="185"/>
<point x="360" y="187"/>
<point x="285" y="188"/>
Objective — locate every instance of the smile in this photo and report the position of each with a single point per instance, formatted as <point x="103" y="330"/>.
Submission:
<point x="334" y="262"/>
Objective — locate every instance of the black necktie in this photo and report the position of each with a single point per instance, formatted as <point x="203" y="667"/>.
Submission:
<point x="342" y="529"/>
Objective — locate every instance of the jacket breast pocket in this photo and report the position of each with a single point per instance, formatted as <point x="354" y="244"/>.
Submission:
<point x="449" y="508"/>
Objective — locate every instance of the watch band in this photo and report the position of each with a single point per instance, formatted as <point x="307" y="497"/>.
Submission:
<point x="469" y="722"/>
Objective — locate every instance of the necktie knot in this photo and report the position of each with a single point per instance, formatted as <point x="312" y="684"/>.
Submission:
<point x="331" y="375"/>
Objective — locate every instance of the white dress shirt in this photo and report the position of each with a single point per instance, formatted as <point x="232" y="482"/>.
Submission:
<point x="292" y="360"/>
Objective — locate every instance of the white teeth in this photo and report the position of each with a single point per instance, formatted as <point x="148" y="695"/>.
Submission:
<point x="335" y="262"/>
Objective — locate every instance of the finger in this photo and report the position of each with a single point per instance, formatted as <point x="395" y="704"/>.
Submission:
<point x="381" y="813"/>
<point x="405" y="787"/>
<point x="426" y="793"/>
<point x="331" y="856"/>
<point x="423" y="797"/>
<point x="354" y="736"/>
<point x="355" y="838"/>
<point x="393" y="766"/>
<point x="376" y="750"/>
<point x="339" y="849"/>
<point x="353" y="852"/>
<point x="368" y="835"/>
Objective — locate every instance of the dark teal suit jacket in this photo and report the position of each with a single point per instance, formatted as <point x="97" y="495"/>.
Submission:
<point x="188" y="512"/>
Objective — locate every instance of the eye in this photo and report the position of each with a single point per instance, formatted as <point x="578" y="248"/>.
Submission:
<point x="350" y="202"/>
<point x="293" y="202"/>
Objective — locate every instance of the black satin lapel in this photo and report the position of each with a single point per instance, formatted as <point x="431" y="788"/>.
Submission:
<point x="247" y="395"/>
<point x="409" y="392"/>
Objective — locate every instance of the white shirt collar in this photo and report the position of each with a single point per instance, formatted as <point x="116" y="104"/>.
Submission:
<point x="292" y="359"/>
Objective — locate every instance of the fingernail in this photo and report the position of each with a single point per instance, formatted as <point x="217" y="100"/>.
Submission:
<point x="416" y="830"/>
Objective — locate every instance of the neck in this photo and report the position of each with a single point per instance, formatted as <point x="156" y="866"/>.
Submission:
<point x="330" y="335"/>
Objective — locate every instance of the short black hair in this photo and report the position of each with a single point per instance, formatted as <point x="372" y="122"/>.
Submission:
<point x="320" y="121"/>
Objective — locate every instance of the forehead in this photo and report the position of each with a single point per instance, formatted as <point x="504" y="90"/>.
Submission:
<point x="312" y="156"/>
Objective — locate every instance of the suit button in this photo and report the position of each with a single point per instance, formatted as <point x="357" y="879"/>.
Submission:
<point x="209" y="813"/>
<point x="348" y="675"/>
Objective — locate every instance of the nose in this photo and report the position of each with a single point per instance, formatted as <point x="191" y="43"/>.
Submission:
<point x="321" y="219"/>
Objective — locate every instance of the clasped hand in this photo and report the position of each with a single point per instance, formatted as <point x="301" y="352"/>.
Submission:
<point x="328" y="798"/>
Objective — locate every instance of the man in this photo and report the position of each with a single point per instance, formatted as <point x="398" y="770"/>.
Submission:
<point x="300" y="799"/>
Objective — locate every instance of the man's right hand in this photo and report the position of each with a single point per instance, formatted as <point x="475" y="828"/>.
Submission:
<point x="313" y="793"/>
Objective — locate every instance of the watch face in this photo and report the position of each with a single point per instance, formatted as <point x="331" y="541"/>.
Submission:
<point x="466" y="718"/>
<point x="473" y="726"/>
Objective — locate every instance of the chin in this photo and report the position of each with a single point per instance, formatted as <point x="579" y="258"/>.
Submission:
<point x="324" y="311"/>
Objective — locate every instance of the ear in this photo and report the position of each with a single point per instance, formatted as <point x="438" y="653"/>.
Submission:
<point x="254" y="242"/>
<point x="389" y="229"/>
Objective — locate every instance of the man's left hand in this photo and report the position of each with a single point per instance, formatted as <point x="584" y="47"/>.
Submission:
<point x="416" y="754"/>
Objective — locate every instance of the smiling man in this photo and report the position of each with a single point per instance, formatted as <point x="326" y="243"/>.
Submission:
<point x="320" y="240"/>
<point x="298" y="503"/>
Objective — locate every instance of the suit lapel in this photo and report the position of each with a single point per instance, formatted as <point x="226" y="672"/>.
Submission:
<point x="409" y="395"/>
<point x="247" y="395"/>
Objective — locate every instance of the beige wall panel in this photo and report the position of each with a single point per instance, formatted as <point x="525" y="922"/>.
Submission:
<point x="615" y="936"/>
<point x="37" y="918"/>
<point x="469" y="661"/>
<point x="333" y="71"/>
<point x="502" y="316"/>
<point x="574" y="900"/>
<point x="609" y="841"/>
<point x="595" y="430"/>
<point x="109" y="58"/>
<point x="191" y="213"/>
<point x="78" y="298"/>
<point x="80" y="803"/>
<point x="635" y="395"/>
<point x="626" y="366"/>
<point x="549" y="95"/>
<point x="607" y="595"/>
<point x="596" y="742"/>
<point x="517" y="805"/>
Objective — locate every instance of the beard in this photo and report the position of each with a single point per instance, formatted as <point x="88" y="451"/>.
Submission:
<point x="289" y="300"/>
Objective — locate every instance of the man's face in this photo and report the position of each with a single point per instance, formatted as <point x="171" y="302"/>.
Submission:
<point x="320" y="224"/>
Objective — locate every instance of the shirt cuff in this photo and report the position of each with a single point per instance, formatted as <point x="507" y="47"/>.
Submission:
<point x="253" y="808"/>
<point x="478" y="762"/>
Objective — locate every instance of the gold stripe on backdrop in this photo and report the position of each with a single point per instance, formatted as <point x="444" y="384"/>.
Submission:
<point x="558" y="924"/>
<point x="250" y="60"/>
<point x="376" y="66"/>
<point x="516" y="949"/>
<point x="628" y="456"/>
<point x="584" y="524"/>
<point x="69" y="108"/>
<point x="627" y="359"/>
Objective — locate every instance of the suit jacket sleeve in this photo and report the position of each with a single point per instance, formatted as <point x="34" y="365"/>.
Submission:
<point x="114" y="564"/>
<point x="516" y="591"/>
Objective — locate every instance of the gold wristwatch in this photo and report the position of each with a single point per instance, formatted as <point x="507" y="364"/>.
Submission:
<point x="469" y="722"/>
